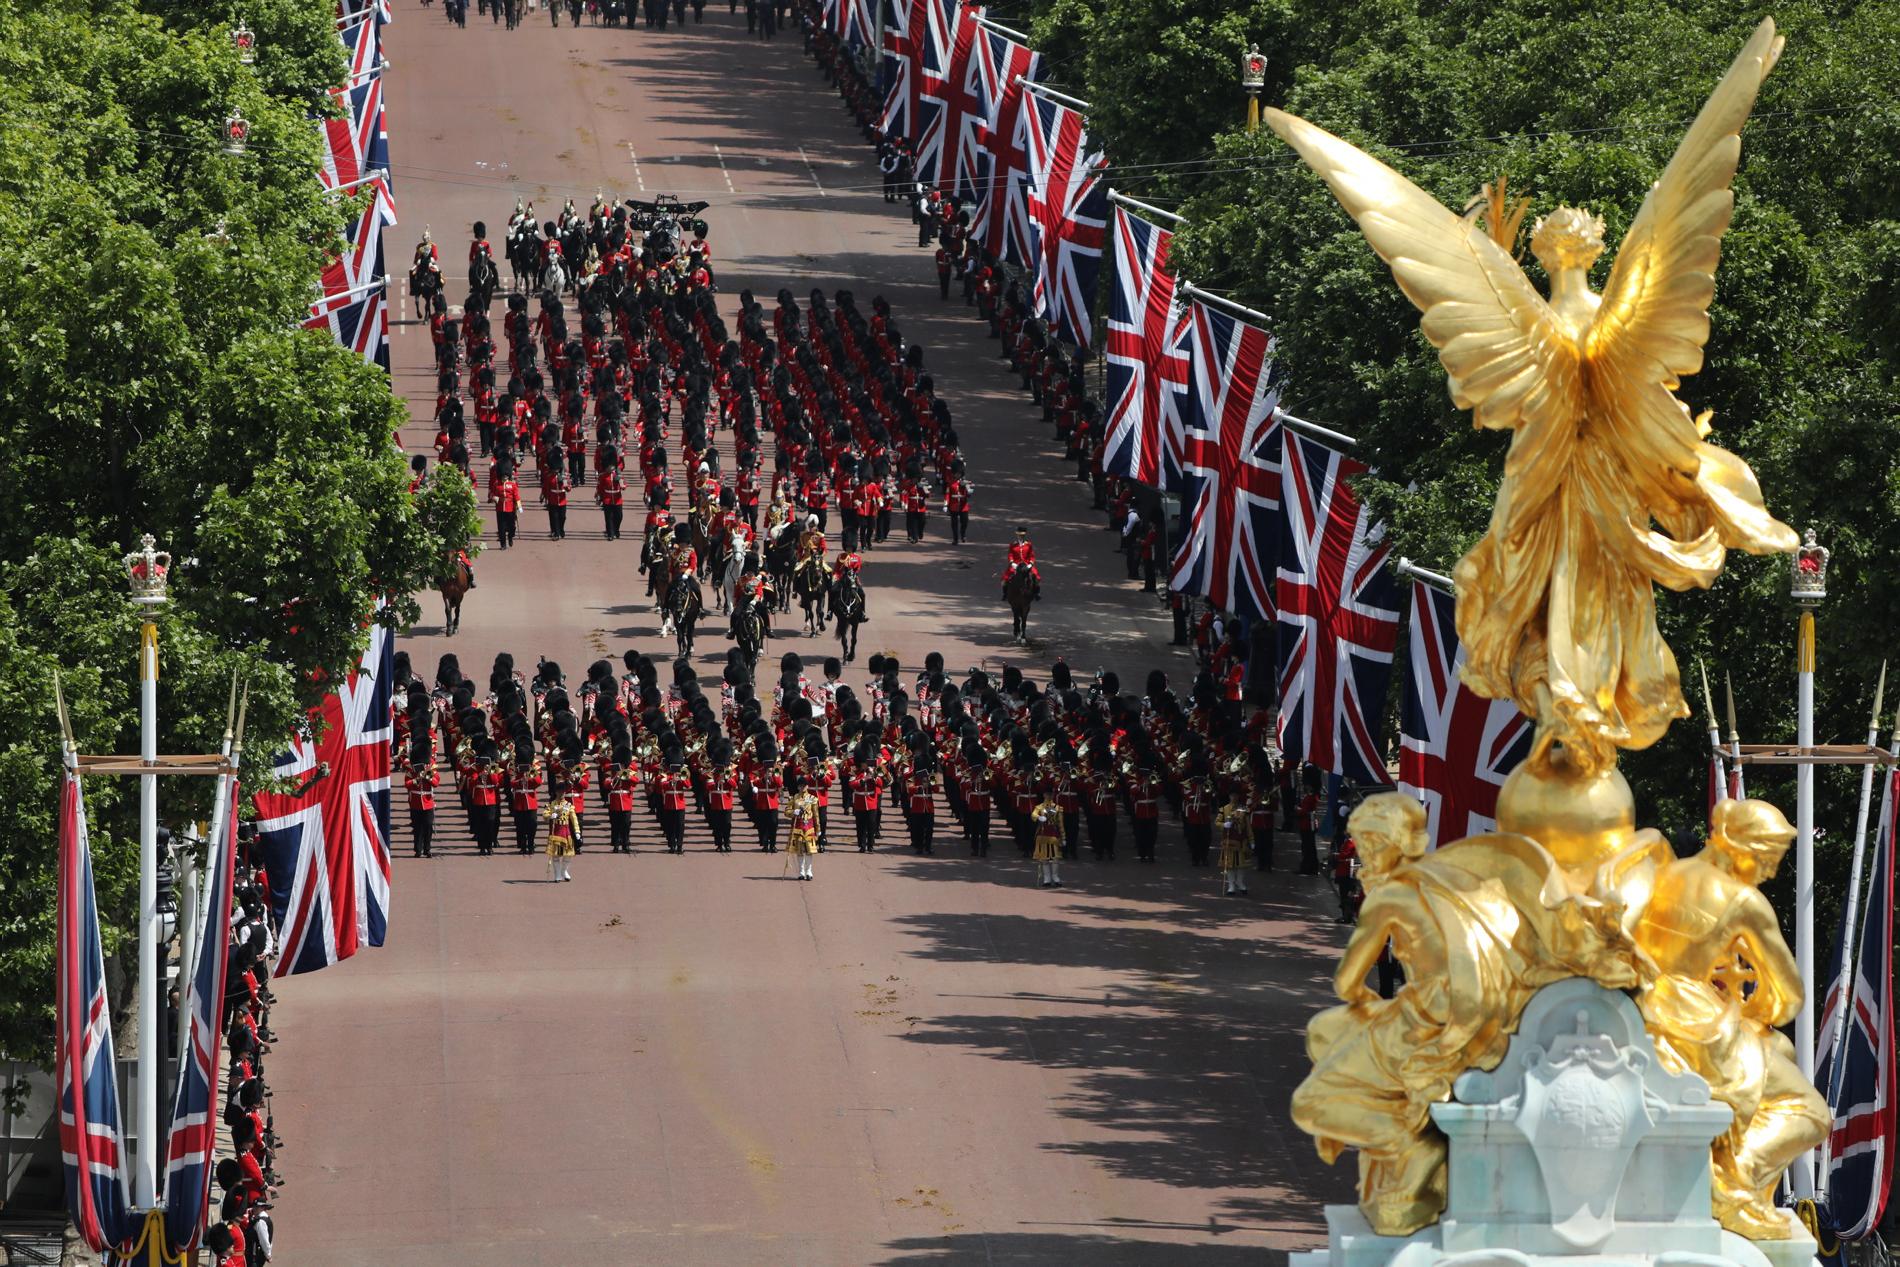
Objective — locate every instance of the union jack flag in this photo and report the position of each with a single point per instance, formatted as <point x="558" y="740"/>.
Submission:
<point x="358" y="143"/>
<point x="1230" y="465"/>
<point x="347" y="9"/>
<point x="853" y="21"/>
<point x="1147" y="368"/>
<point x="1455" y="747"/>
<point x="91" y="1140"/>
<point x="1856" y="1058"/>
<point x="1068" y="205"/>
<point x="1000" y="163"/>
<point x="194" y="1124"/>
<point x="942" y="103"/>
<point x="354" y="306"/>
<point x="364" y="42"/>
<point x="1339" y="617"/>
<point x="909" y="27"/>
<point x="326" y="846"/>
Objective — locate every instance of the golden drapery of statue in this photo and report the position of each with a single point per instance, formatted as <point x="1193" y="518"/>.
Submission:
<point x="1610" y="488"/>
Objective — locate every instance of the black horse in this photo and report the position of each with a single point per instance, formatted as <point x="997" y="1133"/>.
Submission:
<point x="683" y="607"/>
<point x="847" y="608"/>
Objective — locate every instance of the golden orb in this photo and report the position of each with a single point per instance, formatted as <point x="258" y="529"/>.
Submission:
<point x="1582" y="820"/>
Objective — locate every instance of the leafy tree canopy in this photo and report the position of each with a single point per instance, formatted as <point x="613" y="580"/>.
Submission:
<point x="154" y="378"/>
<point x="1580" y="106"/>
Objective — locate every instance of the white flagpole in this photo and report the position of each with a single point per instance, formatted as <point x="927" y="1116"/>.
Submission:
<point x="1734" y="738"/>
<point x="1437" y="580"/>
<point x="1144" y="208"/>
<point x="1715" y="736"/>
<point x="1060" y="98"/>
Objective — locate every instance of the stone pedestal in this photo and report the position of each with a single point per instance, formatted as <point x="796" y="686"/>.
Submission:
<point x="1578" y="1147"/>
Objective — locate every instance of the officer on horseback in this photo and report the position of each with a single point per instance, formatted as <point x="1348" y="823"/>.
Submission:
<point x="1022" y="554"/>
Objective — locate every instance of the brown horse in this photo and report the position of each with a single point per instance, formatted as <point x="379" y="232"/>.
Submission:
<point x="454" y="584"/>
<point x="1020" y="591"/>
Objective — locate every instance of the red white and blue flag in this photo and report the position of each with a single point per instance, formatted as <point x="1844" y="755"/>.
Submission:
<point x="945" y="128"/>
<point x="91" y="1136"/>
<point x="1856" y="1056"/>
<point x="999" y="220"/>
<point x="326" y="846"/>
<point x="354" y="307"/>
<point x="1339" y="616"/>
<point x="910" y="26"/>
<point x="194" y="1124"/>
<point x="1146" y="366"/>
<point x="1456" y="747"/>
<point x="852" y="21"/>
<point x="1068" y="211"/>
<point x="363" y="41"/>
<point x="358" y="143"/>
<point x="347" y="9"/>
<point x="1230" y="466"/>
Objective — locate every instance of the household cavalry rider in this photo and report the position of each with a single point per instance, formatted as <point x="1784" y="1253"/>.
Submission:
<point x="1022" y="554"/>
<point x="811" y="544"/>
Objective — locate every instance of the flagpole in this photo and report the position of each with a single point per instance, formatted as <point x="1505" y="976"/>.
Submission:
<point x="1144" y="208"/>
<point x="189" y="915"/>
<point x="1716" y="755"/>
<point x="1807" y="589"/>
<point x="1734" y="738"/>
<point x="1192" y="291"/>
<point x="997" y="28"/>
<point x="148" y="570"/>
<point x="1437" y="580"/>
<point x="374" y="174"/>
<point x="1060" y="98"/>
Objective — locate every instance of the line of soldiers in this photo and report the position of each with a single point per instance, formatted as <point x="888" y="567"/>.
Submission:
<point x="1050" y="761"/>
<point x="240" y="1234"/>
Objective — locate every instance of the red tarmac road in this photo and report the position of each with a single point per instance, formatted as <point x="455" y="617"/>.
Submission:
<point x="690" y="1059"/>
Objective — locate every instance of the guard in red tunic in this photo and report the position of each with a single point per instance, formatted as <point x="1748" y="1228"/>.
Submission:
<point x="611" y="492"/>
<point x="557" y="504"/>
<point x="1022" y="554"/>
<point x="956" y="505"/>
<point x="507" y="509"/>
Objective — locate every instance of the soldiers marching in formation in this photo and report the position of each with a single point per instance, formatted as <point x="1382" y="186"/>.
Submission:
<point x="1057" y="763"/>
<point x="652" y="372"/>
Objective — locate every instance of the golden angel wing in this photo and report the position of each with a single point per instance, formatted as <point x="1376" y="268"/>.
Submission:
<point x="1507" y="360"/>
<point x="1652" y="325"/>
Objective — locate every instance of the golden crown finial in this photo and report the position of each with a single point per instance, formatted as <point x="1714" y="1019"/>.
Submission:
<point x="149" y="570"/>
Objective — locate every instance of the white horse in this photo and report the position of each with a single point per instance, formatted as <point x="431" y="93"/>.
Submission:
<point x="735" y="566"/>
<point x="553" y="277"/>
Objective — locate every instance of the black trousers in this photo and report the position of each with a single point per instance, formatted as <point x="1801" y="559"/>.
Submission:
<point x="720" y="820"/>
<point x="1102" y="835"/>
<point x="422" y="828"/>
<point x="1309" y="853"/>
<point x="557" y="522"/>
<point x="1020" y="828"/>
<point x="959" y="527"/>
<point x="1146" y="830"/>
<point x="866" y="820"/>
<point x="1071" y="832"/>
<point x="979" y="823"/>
<point x="611" y="516"/>
<point x="943" y="279"/>
<point x="485" y="821"/>
<point x="620" y="830"/>
<point x="922" y="828"/>
<point x="766" y="820"/>
<point x="673" y="825"/>
<point x="1199" y="837"/>
<point x="914" y="525"/>
<point x="524" y="830"/>
<point x="505" y="526"/>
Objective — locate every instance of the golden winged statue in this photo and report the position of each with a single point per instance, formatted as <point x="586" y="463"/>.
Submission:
<point x="1610" y="485"/>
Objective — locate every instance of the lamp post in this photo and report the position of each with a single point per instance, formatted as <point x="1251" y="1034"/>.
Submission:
<point x="148" y="569"/>
<point x="1253" y="77"/>
<point x="1807" y="586"/>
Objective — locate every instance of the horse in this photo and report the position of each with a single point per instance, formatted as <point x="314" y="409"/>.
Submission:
<point x="751" y="633"/>
<point x="847" y="608"/>
<point x="683" y="608"/>
<point x="706" y="547"/>
<point x="454" y="584"/>
<point x="809" y="580"/>
<point x="731" y="565"/>
<point x="553" y="280"/>
<point x="523" y="255"/>
<point x="1020" y="591"/>
<point x="425" y="283"/>
<point x="483" y="277"/>
<point x="779" y="561"/>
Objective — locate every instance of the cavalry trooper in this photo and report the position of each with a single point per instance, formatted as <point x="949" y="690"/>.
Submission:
<point x="1022" y="554"/>
<point x="811" y="542"/>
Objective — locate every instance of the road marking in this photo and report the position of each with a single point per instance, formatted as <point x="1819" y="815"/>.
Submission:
<point x="638" y="179"/>
<point x="721" y="154"/>
<point x="403" y="306"/>
<point x="814" y="173"/>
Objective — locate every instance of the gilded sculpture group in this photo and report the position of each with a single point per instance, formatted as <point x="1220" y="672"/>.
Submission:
<point x="1610" y="487"/>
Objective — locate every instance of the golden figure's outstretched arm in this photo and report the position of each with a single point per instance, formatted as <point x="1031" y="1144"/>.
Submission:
<point x="1649" y="333"/>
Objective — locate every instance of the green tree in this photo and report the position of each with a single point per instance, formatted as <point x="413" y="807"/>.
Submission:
<point x="154" y="378"/>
